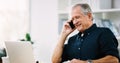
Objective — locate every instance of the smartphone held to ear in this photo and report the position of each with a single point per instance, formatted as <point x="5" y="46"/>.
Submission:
<point x="71" y="24"/>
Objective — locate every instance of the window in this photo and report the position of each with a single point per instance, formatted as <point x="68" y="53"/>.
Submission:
<point x="14" y="20"/>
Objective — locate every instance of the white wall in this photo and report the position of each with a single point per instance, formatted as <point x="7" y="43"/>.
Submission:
<point x="14" y="20"/>
<point x="44" y="28"/>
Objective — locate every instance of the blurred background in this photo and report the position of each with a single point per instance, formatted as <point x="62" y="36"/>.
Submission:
<point x="43" y="20"/>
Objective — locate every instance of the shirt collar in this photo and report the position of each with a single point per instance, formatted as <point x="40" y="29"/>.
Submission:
<point x="87" y="31"/>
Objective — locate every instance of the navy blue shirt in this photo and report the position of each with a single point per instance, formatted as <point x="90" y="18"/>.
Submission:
<point x="93" y="43"/>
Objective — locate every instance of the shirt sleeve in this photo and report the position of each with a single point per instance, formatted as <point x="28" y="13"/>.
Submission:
<point x="108" y="43"/>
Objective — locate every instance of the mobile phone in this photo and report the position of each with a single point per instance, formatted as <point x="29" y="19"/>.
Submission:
<point x="71" y="24"/>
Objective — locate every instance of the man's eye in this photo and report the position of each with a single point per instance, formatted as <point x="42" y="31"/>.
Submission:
<point x="77" y="17"/>
<point x="73" y="18"/>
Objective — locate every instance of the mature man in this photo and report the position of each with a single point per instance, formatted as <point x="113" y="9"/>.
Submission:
<point x="91" y="45"/>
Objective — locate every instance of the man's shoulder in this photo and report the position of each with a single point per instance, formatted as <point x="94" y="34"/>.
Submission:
<point x="106" y="31"/>
<point x="73" y="37"/>
<point x="104" y="28"/>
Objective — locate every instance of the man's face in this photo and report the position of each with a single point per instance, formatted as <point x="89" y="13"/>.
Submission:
<point x="80" y="20"/>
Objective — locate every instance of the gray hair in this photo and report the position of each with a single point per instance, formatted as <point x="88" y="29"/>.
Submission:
<point x="85" y="8"/>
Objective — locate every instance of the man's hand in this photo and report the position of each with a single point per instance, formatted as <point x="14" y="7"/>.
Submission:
<point x="67" y="29"/>
<point x="77" y="61"/>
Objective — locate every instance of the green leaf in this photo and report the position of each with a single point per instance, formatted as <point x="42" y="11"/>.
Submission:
<point x="28" y="38"/>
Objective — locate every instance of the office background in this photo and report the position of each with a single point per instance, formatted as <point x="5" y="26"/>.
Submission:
<point x="38" y="17"/>
<point x="43" y="19"/>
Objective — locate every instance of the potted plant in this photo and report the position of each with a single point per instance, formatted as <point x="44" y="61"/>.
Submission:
<point x="27" y="38"/>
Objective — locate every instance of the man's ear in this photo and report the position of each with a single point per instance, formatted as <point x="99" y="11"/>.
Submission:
<point x="90" y="16"/>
